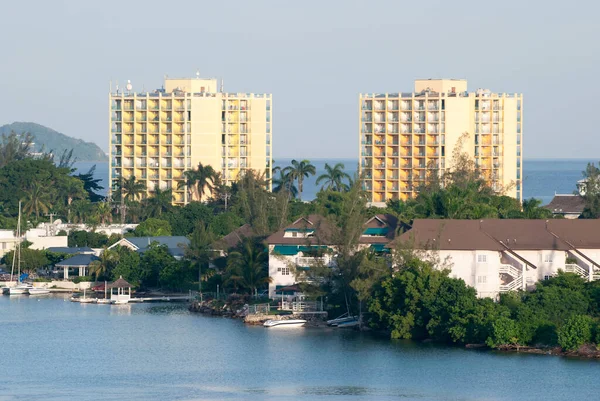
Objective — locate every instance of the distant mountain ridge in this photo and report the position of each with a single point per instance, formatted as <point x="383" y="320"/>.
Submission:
<point x="51" y="140"/>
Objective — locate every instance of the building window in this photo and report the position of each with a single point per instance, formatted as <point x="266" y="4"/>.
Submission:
<point x="481" y="258"/>
<point x="294" y="234"/>
<point x="547" y="277"/>
<point x="481" y="279"/>
<point x="548" y="258"/>
<point x="285" y="271"/>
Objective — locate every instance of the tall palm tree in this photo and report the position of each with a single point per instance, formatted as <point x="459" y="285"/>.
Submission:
<point x="334" y="177"/>
<point x="285" y="183"/>
<point x="199" y="251"/>
<point x="104" y="212"/>
<point x="199" y="182"/>
<point x="37" y="199"/>
<point x="300" y="170"/>
<point x="159" y="202"/>
<point x="248" y="266"/>
<point x="102" y="267"/>
<point x="130" y="188"/>
<point x="81" y="210"/>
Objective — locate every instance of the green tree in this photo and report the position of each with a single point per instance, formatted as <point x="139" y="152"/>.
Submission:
<point x="37" y="199"/>
<point x="248" y="266"/>
<point x="333" y="178"/>
<point x="532" y="209"/>
<point x="199" y="251"/>
<point x="104" y="212"/>
<point x="130" y="188"/>
<point x="285" y="182"/>
<point x="159" y="202"/>
<point x="90" y="184"/>
<point x="152" y="228"/>
<point x="14" y="147"/>
<point x="576" y="331"/>
<point x="590" y="190"/>
<point x="298" y="171"/>
<point x="503" y="331"/>
<point x="103" y="267"/>
<point x="154" y="259"/>
<point x="31" y="259"/>
<point x="200" y="181"/>
<point x="128" y="266"/>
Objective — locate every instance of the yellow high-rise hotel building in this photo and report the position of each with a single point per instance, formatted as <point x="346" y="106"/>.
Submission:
<point x="157" y="136"/>
<point x="404" y="137"/>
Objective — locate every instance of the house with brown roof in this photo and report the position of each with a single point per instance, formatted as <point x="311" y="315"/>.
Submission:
<point x="500" y="255"/>
<point x="300" y="245"/>
<point x="308" y="242"/>
<point x="567" y="206"/>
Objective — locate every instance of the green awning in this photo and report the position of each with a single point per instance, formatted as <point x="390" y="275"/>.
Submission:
<point x="287" y="250"/>
<point x="303" y="230"/>
<point x="376" y="231"/>
<point x="379" y="248"/>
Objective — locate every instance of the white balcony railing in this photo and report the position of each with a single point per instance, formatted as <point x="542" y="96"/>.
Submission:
<point x="574" y="268"/>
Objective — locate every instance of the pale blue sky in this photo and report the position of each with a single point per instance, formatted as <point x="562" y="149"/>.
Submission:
<point x="314" y="56"/>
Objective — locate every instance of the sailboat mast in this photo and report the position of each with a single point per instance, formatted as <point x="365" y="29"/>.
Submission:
<point x="18" y="249"/>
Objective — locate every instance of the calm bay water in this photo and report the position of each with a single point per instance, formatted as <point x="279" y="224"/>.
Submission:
<point x="541" y="178"/>
<point x="58" y="350"/>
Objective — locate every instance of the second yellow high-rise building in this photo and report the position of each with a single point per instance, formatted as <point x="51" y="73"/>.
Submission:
<point x="404" y="137"/>
<point x="156" y="136"/>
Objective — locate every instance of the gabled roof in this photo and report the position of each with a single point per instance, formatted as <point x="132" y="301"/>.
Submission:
<point x="566" y="204"/>
<point x="70" y="250"/>
<point x="318" y="224"/>
<point x="80" y="260"/>
<point x="175" y="244"/>
<point x="119" y="283"/>
<point x="503" y="234"/>
<point x="234" y="238"/>
<point x="379" y="229"/>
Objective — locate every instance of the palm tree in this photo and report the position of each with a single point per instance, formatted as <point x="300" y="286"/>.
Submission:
<point x="37" y="199"/>
<point x="300" y="170"/>
<point x="248" y="266"/>
<point x="130" y="189"/>
<point x="104" y="212"/>
<point x="159" y="202"/>
<point x="103" y="266"/>
<point x="334" y="178"/>
<point x="81" y="210"/>
<point x="285" y="183"/>
<point x="200" y="181"/>
<point x="199" y="251"/>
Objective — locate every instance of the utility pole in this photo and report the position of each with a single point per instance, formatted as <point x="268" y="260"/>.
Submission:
<point x="225" y="196"/>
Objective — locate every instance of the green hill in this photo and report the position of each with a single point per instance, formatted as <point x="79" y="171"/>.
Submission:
<point x="48" y="139"/>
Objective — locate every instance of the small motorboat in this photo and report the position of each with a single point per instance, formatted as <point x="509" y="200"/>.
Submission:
<point x="103" y="301"/>
<point x="339" y="320"/>
<point x="119" y="302"/>
<point x="38" y="291"/>
<point x="285" y="323"/>
<point x="348" y="324"/>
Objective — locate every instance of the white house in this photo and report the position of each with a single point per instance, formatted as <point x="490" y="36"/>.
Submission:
<point x="307" y="242"/>
<point x="496" y="256"/>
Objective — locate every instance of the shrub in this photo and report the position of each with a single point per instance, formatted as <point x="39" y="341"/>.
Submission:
<point x="576" y="331"/>
<point x="80" y="279"/>
<point x="42" y="280"/>
<point x="503" y="331"/>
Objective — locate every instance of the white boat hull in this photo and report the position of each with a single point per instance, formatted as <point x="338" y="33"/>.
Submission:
<point x="120" y="302"/>
<point x="103" y="301"/>
<point x="17" y="291"/>
<point x="284" y="323"/>
<point x="38" y="291"/>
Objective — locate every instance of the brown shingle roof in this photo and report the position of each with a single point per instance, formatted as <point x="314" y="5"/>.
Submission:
<point x="119" y="283"/>
<point x="566" y="204"/>
<point x="448" y="235"/>
<point x="320" y="225"/>
<point x="234" y="238"/>
<point x="580" y="233"/>
<point x="502" y="234"/>
<point x="380" y="221"/>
